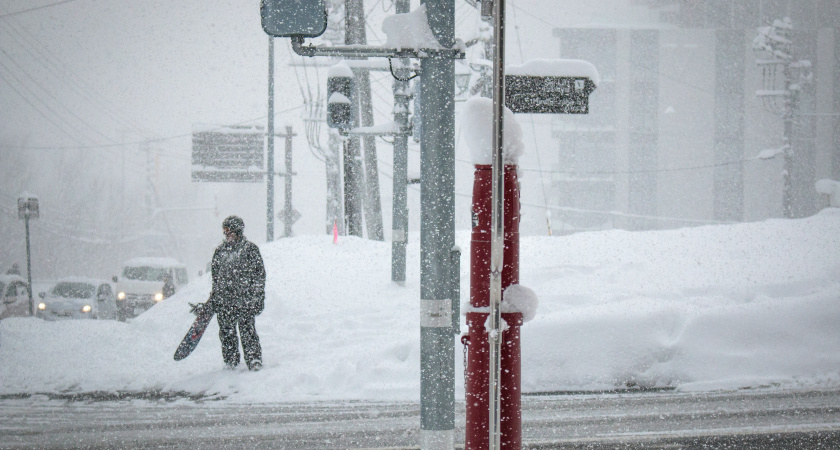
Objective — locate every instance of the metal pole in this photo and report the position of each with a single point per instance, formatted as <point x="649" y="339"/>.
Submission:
<point x="497" y="226"/>
<point x="373" y="203"/>
<point x="287" y="224"/>
<point x="29" y="267"/>
<point x="399" y="233"/>
<point x="354" y="22"/>
<point x="787" y="140"/>
<point x="437" y="236"/>
<point x="335" y="206"/>
<point x="269" y="224"/>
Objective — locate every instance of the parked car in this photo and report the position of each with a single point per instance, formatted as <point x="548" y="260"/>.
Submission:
<point x="141" y="285"/>
<point x="78" y="298"/>
<point x="14" y="293"/>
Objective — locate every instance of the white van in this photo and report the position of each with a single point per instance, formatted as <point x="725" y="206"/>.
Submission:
<point x="141" y="284"/>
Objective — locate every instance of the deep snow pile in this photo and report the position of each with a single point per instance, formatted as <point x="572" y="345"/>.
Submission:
<point x="716" y="307"/>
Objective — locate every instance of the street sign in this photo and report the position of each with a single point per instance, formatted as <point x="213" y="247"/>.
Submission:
<point x="228" y="154"/>
<point x="548" y="94"/>
<point x="27" y="208"/>
<point x="285" y="18"/>
<point x="226" y="176"/>
<point x="289" y="217"/>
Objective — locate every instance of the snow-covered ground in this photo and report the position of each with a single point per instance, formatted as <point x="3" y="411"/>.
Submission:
<point x="715" y="307"/>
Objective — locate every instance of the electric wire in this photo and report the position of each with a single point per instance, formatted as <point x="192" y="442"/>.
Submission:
<point x="145" y="141"/>
<point x="39" y="109"/>
<point x="62" y="71"/>
<point x="416" y="190"/>
<point x="52" y="97"/>
<point x="533" y="126"/>
<point x="35" y="9"/>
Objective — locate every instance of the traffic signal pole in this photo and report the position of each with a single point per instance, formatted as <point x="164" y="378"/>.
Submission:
<point x="437" y="236"/>
<point x="269" y="218"/>
<point x="439" y="257"/>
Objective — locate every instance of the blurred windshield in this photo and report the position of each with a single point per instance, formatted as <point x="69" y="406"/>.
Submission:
<point x="74" y="290"/>
<point x="144" y="273"/>
<point x="181" y="276"/>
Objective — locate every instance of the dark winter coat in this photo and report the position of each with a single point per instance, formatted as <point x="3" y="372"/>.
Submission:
<point x="238" y="278"/>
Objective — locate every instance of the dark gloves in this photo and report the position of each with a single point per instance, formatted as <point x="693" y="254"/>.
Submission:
<point x="255" y="306"/>
<point x="201" y="308"/>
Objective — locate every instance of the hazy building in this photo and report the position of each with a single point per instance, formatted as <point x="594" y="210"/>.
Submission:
<point x="675" y="127"/>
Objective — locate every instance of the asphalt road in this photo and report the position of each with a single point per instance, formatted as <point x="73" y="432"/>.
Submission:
<point x="764" y="419"/>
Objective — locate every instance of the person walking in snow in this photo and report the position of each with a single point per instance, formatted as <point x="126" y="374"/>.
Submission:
<point x="14" y="270"/>
<point x="238" y="294"/>
<point x="168" y="289"/>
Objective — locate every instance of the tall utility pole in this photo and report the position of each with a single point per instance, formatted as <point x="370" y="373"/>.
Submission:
<point x="775" y="40"/>
<point x="437" y="235"/>
<point x="354" y="22"/>
<point x="336" y="34"/>
<point x="335" y="207"/>
<point x="269" y="219"/>
<point x="399" y="233"/>
<point x="289" y="214"/>
<point x="373" y="204"/>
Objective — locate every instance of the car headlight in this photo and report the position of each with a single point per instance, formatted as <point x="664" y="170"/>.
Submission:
<point x="158" y="297"/>
<point x="86" y="309"/>
<point x="121" y="296"/>
<point x="42" y="306"/>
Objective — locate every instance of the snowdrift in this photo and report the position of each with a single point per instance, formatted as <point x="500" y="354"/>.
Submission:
<point x="716" y="307"/>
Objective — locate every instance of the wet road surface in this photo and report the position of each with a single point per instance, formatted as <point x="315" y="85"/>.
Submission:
<point x="764" y="419"/>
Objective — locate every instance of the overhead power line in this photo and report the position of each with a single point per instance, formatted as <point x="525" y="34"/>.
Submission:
<point x="24" y="11"/>
<point x="145" y="141"/>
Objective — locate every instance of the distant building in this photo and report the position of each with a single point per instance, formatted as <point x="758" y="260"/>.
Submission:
<point x="675" y="126"/>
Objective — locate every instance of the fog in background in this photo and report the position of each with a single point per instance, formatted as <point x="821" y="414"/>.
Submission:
<point x="99" y="100"/>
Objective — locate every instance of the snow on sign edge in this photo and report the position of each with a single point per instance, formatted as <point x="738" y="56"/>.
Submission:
<point x="556" y="68"/>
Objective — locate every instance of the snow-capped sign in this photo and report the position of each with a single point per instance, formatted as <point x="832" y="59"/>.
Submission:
<point x="27" y="207"/>
<point x="550" y="86"/>
<point x="286" y="18"/>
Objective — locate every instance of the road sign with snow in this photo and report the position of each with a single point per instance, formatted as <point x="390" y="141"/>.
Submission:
<point x="548" y="95"/>
<point x="550" y="86"/>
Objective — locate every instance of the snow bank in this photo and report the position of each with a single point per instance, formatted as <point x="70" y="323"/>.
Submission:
<point x="476" y="122"/>
<point x="716" y="307"/>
